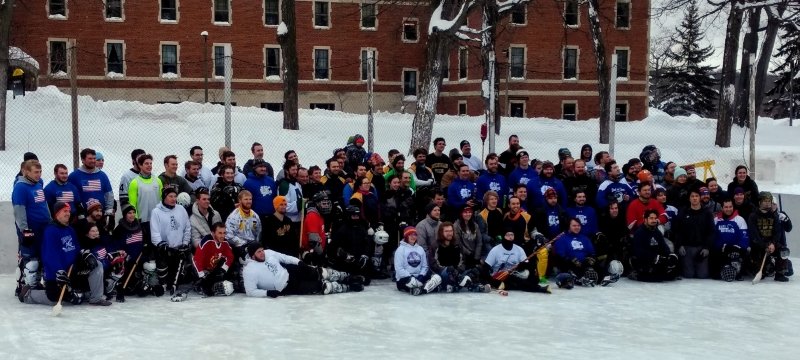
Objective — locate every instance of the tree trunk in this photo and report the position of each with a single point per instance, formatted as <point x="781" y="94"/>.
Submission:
<point x="603" y="76"/>
<point x="288" y="42"/>
<point x="437" y="47"/>
<point x="770" y="34"/>
<point x="749" y="47"/>
<point x="6" y="12"/>
<point x="726" y="85"/>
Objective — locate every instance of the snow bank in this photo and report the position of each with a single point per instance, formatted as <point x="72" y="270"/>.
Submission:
<point x="40" y="122"/>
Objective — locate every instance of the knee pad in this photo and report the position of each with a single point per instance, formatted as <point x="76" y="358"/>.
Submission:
<point x="30" y="272"/>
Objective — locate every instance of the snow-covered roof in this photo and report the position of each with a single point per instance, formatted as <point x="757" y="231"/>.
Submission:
<point x="15" y="53"/>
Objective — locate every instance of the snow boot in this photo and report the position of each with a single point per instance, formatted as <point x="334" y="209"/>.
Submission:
<point x="432" y="284"/>
<point x="781" y="277"/>
<point x="223" y="288"/>
<point x="23" y="292"/>
<point x="328" y="274"/>
<point x="332" y="287"/>
<point x="101" y="302"/>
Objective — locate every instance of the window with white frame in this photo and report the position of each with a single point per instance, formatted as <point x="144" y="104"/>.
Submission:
<point x="322" y="14"/>
<point x="570" y="63"/>
<point x="410" y="30"/>
<point x="369" y="15"/>
<point x="409" y="82"/>
<point x="621" y="112"/>
<point x="622" y="62"/>
<point x="58" y="57"/>
<point x="169" y="10"/>
<point x="272" y="14"/>
<point x="365" y="62"/>
<point x="517" y="62"/>
<point x="272" y="60"/>
<point x="222" y="11"/>
<point x="569" y="110"/>
<point x="571" y="13"/>
<point x="623" y="14"/>
<point x="463" y="56"/>
<point x="517" y="16"/>
<point x="113" y="10"/>
<point x="517" y="108"/>
<point x="57" y="9"/>
<point x="322" y="64"/>
<point x="169" y="59"/>
<point x="462" y="107"/>
<point x="219" y="59"/>
<point x="115" y="57"/>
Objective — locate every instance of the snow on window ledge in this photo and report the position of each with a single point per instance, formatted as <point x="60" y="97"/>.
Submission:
<point x="56" y="17"/>
<point x="218" y="77"/>
<point x="273" y="78"/>
<point x="169" y="76"/>
<point x="317" y="27"/>
<point x="220" y="23"/>
<point x="318" y="79"/>
<point x="410" y="98"/>
<point x="622" y="79"/>
<point x="114" y="19"/>
<point x="115" y="75"/>
<point x="171" y="22"/>
<point x="59" y="75"/>
<point x="571" y="79"/>
<point x="516" y="78"/>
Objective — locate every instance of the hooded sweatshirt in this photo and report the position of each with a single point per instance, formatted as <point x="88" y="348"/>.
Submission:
<point x="574" y="246"/>
<point x="201" y="225"/>
<point x="170" y="225"/>
<point x="459" y="192"/>
<point x="730" y="230"/>
<point x="93" y="185"/>
<point x="60" y="248"/>
<point x="30" y="206"/>
<point x="242" y="229"/>
<point x="410" y="260"/>
<point x="62" y="192"/>
<point x="128" y="236"/>
<point x="268" y="275"/>
<point x="264" y="190"/>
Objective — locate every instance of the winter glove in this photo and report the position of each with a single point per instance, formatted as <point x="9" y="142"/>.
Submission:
<point x="273" y="293"/>
<point x="345" y="256"/>
<point x="109" y="223"/>
<point x="681" y="251"/>
<point x="380" y="227"/>
<point x="370" y="231"/>
<point x="362" y="261"/>
<point x="782" y="216"/>
<point x="704" y="253"/>
<point x="221" y="259"/>
<point x="61" y="278"/>
<point x="28" y="238"/>
<point x="88" y="259"/>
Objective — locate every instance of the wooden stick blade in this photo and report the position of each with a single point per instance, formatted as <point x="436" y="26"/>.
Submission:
<point x="757" y="278"/>
<point x="57" y="310"/>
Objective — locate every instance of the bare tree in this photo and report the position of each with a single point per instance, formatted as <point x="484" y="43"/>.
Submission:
<point x="6" y="12"/>
<point x="287" y="38"/>
<point x="603" y="72"/>
<point x="727" y="107"/>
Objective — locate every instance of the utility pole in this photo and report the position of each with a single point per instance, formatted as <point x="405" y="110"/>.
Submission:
<point x="227" y="95"/>
<point x="73" y="91"/>
<point x="793" y="73"/>
<point x="492" y="117"/>
<point x="612" y="104"/>
<point x="370" y="120"/>
<point x="204" y="34"/>
<point x="752" y="115"/>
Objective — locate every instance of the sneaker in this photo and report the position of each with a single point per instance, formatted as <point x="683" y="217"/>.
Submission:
<point x="781" y="277"/>
<point x="101" y="302"/>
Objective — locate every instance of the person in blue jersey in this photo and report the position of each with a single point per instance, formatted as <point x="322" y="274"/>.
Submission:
<point x="731" y="244"/>
<point x="492" y="180"/>
<point x="31" y="216"/>
<point x="585" y="214"/>
<point x="551" y="219"/>
<point x="615" y="188"/>
<point x="548" y="180"/>
<point x="93" y="184"/>
<point x="462" y="190"/>
<point x="575" y="255"/>
<point x="263" y="188"/>
<point x="524" y="172"/>
<point x="61" y="190"/>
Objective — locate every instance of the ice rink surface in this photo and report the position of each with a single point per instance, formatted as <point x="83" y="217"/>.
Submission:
<point x="688" y="319"/>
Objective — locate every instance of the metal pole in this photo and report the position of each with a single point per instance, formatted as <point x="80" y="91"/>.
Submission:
<point x="508" y="85"/>
<point x="370" y="120"/>
<point x="612" y="104"/>
<point x="227" y="95"/>
<point x="752" y="116"/>
<point x="792" y="74"/>
<point x="491" y="118"/>
<point x="73" y="85"/>
<point x="204" y="34"/>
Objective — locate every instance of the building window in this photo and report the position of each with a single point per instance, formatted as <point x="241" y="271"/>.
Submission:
<point x="621" y="112"/>
<point x="569" y="111"/>
<point x="517" y="109"/>
<point x="518" y="15"/>
<point x="58" y="58"/>
<point x="169" y="10"/>
<point x="410" y="31"/>
<point x="273" y="62"/>
<point x="272" y="106"/>
<point x="169" y="59"/>
<point x="323" y="106"/>
<point x="369" y="18"/>
<point x="113" y="9"/>
<point x="517" y="61"/>
<point x="115" y="58"/>
<point x="462" y="63"/>
<point x="272" y="15"/>
<point x="623" y="14"/>
<point x="462" y="107"/>
<point x="410" y="83"/>
<point x="57" y="9"/>
<point x="365" y="63"/>
<point x="570" y="64"/>
<point x="219" y="60"/>
<point x="222" y="11"/>
<point x="622" y="63"/>
<point x="321" y="14"/>
<point x="446" y="67"/>
<point x="321" y="64"/>
<point x="571" y="13"/>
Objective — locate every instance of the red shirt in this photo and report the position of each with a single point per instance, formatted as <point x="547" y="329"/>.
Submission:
<point x="635" y="213"/>
<point x="206" y="255"/>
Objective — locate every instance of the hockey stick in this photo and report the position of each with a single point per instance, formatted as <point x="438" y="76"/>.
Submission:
<point x="133" y="268"/>
<point x="57" y="309"/>
<point x="758" y="276"/>
<point x="503" y="275"/>
<point x="302" y="219"/>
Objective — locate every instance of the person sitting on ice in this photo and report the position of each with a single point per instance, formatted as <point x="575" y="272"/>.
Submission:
<point x="730" y="243"/>
<point x="506" y="267"/>
<point x="64" y="262"/>
<point x="271" y="274"/>
<point x="350" y="249"/>
<point x="212" y="260"/>
<point x="577" y="261"/>
<point x="767" y="236"/>
<point x="448" y="264"/>
<point x="412" y="273"/>
<point x="651" y="259"/>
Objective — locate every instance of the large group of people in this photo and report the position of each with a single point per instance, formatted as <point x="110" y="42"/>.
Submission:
<point x="434" y="222"/>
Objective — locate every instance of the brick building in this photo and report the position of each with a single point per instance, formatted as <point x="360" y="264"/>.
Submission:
<point x="152" y="51"/>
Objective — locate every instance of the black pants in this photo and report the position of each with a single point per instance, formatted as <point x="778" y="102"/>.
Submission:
<point x="654" y="272"/>
<point x="303" y="280"/>
<point x="169" y="262"/>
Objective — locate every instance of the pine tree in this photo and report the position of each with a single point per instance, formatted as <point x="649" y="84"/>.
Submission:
<point x="787" y="72"/>
<point x="687" y="87"/>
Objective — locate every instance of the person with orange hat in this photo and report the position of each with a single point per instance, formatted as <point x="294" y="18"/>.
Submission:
<point x="412" y="272"/>
<point x="279" y="234"/>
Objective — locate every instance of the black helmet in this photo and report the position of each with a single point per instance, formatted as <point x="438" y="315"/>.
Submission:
<point x="321" y="202"/>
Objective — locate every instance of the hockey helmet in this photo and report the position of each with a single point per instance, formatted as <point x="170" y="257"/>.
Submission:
<point x="381" y="237"/>
<point x="615" y="267"/>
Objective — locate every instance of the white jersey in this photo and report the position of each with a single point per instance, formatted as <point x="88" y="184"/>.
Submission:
<point x="204" y="175"/>
<point x="242" y="229"/>
<point x="473" y="162"/>
<point x="268" y="275"/>
<point x="501" y="259"/>
<point x="238" y="178"/>
<point x="170" y="226"/>
<point x="124" y="183"/>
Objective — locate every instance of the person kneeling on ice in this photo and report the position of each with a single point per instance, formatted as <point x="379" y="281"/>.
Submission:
<point x="64" y="263"/>
<point x="411" y="266"/>
<point x="730" y="245"/>
<point x="508" y="269"/>
<point x="269" y="273"/>
<point x="577" y="262"/>
<point x="212" y="260"/>
<point x="652" y="260"/>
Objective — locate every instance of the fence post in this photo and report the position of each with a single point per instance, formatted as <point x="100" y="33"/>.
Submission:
<point x="612" y="106"/>
<point x="228" y="75"/>
<point x="73" y="91"/>
<point x="370" y="101"/>
<point x="752" y="116"/>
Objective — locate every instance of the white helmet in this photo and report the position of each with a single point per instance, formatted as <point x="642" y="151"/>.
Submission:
<point x="184" y="199"/>
<point x="381" y="237"/>
<point x="615" y="267"/>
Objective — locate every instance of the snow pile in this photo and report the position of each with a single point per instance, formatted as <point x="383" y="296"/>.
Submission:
<point x="56" y="17"/>
<point x="15" y="53"/>
<point x="282" y="29"/>
<point x="114" y="75"/>
<point x="169" y="76"/>
<point x="59" y="75"/>
<point x="40" y="122"/>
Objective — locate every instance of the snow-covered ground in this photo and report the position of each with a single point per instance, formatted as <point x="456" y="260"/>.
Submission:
<point x="688" y="319"/>
<point x="40" y="122"/>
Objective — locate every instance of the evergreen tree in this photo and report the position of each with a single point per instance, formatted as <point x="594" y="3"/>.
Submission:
<point x="788" y="72"/>
<point x="687" y="87"/>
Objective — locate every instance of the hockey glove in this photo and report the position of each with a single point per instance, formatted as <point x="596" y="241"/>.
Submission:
<point x="28" y="238"/>
<point x="88" y="259"/>
<point x="704" y="253"/>
<point x="163" y="249"/>
<point x="370" y="231"/>
<point x="782" y="216"/>
<point x="345" y="256"/>
<point x="363" y="260"/>
<point x="273" y="293"/>
<point x="61" y="278"/>
<point x="220" y="262"/>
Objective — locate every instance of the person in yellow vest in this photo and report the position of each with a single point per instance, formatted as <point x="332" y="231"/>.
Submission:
<point x="144" y="193"/>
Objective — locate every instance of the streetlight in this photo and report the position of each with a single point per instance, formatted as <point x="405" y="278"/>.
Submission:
<point x="204" y="34"/>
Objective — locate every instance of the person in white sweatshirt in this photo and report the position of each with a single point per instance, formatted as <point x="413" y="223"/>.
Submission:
<point x="271" y="274"/>
<point x="171" y="234"/>
<point x="411" y="266"/>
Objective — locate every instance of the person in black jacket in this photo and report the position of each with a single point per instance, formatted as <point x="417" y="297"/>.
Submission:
<point x="651" y="259"/>
<point x="581" y="181"/>
<point x="693" y="231"/>
<point x="767" y="234"/>
<point x="613" y="239"/>
<point x="747" y="184"/>
<point x="350" y="248"/>
<point x="225" y="194"/>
